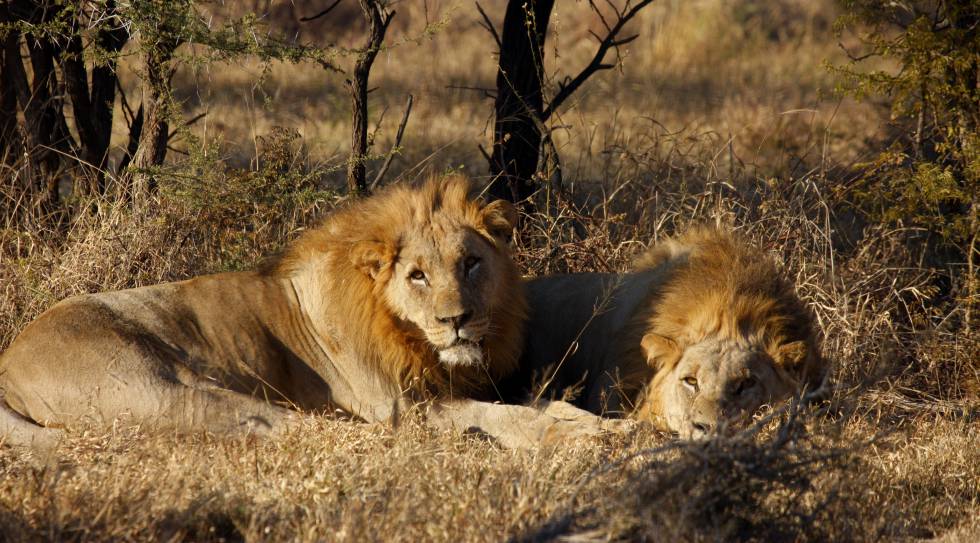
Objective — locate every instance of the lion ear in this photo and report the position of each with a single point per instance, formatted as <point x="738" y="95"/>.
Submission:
<point x="791" y="355"/>
<point x="499" y="219"/>
<point x="660" y="350"/>
<point x="370" y="257"/>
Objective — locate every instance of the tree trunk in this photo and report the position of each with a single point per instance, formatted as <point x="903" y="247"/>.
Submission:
<point x="378" y="17"/>
<point x="111" y="38"/>
<point x="93" y="109"/>
<point x="356" y="169"/>
<point x="11" y="148"/>
<point x="45" y="132"/>
<point x="519" y="101"/>
<point x="76" y="82"/>
<point x="152" y="148"/>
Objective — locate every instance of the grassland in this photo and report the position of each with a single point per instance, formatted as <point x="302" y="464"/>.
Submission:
<point x="722" y="111"/>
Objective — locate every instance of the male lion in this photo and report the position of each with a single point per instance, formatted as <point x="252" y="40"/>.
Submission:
<point x="702" y="333"/>
<point x="406" y="296"/>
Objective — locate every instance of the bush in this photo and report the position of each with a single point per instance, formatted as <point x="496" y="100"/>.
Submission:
<point x="929" y="178"/>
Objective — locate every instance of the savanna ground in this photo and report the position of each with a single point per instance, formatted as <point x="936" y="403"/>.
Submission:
<point x="722" y="111"/>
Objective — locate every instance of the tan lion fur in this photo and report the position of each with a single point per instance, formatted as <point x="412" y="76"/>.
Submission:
<point x="703" y="285"/>
<point x="327" y="325"/>
<point x="399" y="352"/>
<point x="721" y="286"/>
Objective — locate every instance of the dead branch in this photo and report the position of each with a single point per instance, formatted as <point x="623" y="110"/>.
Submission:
<point x="321" y="14"/>
<point x="396" y="145"/>
<point x="610" y="41"/>
<point x="488" y="24"/>
<point x="186" y="124"/>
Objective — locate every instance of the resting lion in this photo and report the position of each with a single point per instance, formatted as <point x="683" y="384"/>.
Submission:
<point x="702" y="333"/>
<point x="407" y="296"/>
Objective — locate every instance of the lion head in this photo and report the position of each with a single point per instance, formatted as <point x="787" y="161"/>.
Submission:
<point x="446" y="272"/>
<point x="724" y="335"/>
<point x="422" y="283"/>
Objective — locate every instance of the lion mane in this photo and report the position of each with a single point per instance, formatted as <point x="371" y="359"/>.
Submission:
<point x="400" y="352"/>
<point x="704" y="285"/>
<point x="313" y="328"/>
<point x="716" y="284"/>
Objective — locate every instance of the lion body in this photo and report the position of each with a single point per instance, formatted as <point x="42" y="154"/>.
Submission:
<point x="705" y="303"/>
<point x="577" y="325"/>
<point x="165" y="353"/>
<point x="403" y="297"/>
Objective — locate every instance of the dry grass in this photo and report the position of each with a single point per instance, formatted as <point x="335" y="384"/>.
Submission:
<point x="717" y="115"/>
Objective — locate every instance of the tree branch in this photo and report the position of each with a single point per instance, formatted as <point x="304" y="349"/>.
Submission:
<point x="396" y="145"/>
<point x="318" y="15"/>
<point x="610" y="41"/>
<point x="488" y="24"/>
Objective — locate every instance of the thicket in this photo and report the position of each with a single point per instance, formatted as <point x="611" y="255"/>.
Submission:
<point x="60" y="86"/>
<point x="928" y="177"/>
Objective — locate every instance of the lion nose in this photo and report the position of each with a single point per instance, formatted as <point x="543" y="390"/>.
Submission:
<point x="456" y="320"/>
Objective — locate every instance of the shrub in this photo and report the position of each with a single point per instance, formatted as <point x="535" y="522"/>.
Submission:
<point x="929" y="178"/>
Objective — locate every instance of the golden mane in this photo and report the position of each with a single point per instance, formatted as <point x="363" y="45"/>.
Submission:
<point x="397" y="348"/>
<point x="718" y="285"/>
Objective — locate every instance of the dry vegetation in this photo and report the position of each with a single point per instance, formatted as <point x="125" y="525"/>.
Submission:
<point x="722" y="111"/>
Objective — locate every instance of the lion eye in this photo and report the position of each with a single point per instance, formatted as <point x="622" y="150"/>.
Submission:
<point x="692" y="382"/>
<point x="745" y="385"/>
<point x="470" y="264"/>
<point x="417" y="276"/>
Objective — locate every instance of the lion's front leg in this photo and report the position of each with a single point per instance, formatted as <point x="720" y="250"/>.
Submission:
<point x="566" y="411"/>
<point x="518" y="426"/>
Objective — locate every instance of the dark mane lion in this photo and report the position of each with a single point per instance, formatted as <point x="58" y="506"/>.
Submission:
<point x="704" y="330"/>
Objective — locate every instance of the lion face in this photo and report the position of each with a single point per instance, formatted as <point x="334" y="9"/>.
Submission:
<point x="715" y="384"/>
<point x="444" y="277"/>
<point x="445" y="287"/>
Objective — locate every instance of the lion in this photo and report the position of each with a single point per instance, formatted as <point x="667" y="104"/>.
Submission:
<point x="700" y="335"/>
<point x="406" y="298"/>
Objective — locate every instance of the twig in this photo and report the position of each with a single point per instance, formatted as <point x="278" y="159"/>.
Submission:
<point x="487" y="93"/>
<point x="853" y="57"/>
<point x="327" y="65"/>
<point x="610" y="41"/>
<point x="318" y="15"/>
<point x="395" y="146"/>
<point x="377" y="127"/>
<point x="484" y="152"/>
<point x="189" y="122"/>
<point x="487" y="24"/>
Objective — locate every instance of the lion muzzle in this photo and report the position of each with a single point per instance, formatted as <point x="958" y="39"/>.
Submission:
<point x="462" y="352"/>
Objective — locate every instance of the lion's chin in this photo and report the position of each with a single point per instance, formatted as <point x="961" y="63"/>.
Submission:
<point x="464" y="353"/>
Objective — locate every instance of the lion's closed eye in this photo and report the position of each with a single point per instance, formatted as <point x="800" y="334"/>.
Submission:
<point x="745" y="385"/>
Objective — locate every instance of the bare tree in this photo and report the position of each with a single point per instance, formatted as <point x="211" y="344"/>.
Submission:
<point x="11" y="146"/>
<point x="520" y="133"/>
<point x="519" y="101"/>
<point x="55" y="48"/>
<point x="93" y="102"/>
<point x="46" y="138"/>
<point x="378" y="17"/>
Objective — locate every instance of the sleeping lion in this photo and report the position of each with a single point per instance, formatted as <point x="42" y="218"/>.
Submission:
<point x="410" y="296"/>
<point x="700" y="335"/>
